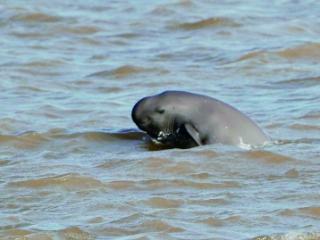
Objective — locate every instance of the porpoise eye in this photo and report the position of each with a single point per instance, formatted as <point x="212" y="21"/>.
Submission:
<point x="160" y="110"/>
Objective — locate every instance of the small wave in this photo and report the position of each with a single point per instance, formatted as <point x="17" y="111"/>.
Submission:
<point x="32" y="89"/>
<point x="157" y="183"/>
<point x="90" y="41"/>
<point x="32" y="139"/>
<point x="127" y="70"/>
<point x="211" y="221"/>
<point x="311" y="115"/>
<point x="200" y="175"/>
<point x="74" y="233"/>
<point x="299" y="82"/>
<point x="122" y="185"/>
<point x="268" y="157"/>
<point x="35" y="17"/>
<point x="159" y="226"/>
<point x="162" y="11"/>
<point x="15" y="233"/>
<point x="298" y="141"/>
<point x="170" y="9"/>
<point x="128" y="35"/>
<point x="114" y="163"/>
<point x="292" y="173"/>
<point x="181" y="168"/>
<point x="125" y="134"/>
<point x="28" y="140"/>
<point x="4" y="162"/>
<point x="128" y="219"/>
<point x="110" y="89"/>
<point x="68" y="181"/>
<point x="162" y="184"/>
<point x="304" y="127"/>
<point x="185" y="3"/>
<point x="250" y="55"/>
<point x="207" y="23"/>
<point x="309" y="51"/>
<point x="30" y="35"/>
<point x="291" y="236"/>
<point x="45" y="63"/>
<point x="167" y="166"/>
<point x="78" y="30"/>
<point x="209" y="202"/>
<point x="144" y="227"/>
<point x="160" y="202"/>
<point x="217" y="222"/>
<point x="305" y="51"/>
<point x="312" y="211"/>
<point x="208" y="153"/>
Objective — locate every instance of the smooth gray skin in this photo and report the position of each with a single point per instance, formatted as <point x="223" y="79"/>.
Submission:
<point x="183" y="119"/>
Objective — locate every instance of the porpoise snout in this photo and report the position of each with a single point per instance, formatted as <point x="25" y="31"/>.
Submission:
<point x="143" y="123"/>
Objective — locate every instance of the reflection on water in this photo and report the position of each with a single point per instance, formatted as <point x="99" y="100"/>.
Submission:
<point x="72" y="164"/>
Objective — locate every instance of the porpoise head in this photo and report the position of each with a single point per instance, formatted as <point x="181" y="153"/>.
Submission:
<point x="164" y="117"/>
<point x="154" y="115"/>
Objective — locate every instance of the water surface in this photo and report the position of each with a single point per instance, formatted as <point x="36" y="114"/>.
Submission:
<point x="72" y="163"/>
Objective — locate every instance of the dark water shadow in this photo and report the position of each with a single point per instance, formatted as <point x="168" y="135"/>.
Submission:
<point x="130" y="136"/>
<point x="108" y="139"/>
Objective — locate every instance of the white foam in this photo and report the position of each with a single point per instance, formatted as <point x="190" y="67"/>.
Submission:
<point x="244" y="145"/>
<point x="292" y="236"/>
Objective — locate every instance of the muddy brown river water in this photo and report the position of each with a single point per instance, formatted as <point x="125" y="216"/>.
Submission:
<point x="74" y="166"/>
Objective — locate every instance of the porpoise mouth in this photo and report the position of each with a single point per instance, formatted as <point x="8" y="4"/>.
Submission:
<point x="162" y="136"/>
<point x="178" y="138"/>
<point x="166" y="138"/>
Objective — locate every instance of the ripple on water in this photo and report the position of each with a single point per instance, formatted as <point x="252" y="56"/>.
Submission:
<point x="122" y="185"/>
<point x="291" y="236"/>
<point x="312" y="211"/>
<point x="126" y="71"/>
<point x="207" y="23"/>
<point x="209" y="202"/>
<point x="74" y="233"/>
<point x="252" y="55"/>
<point x="160" y="202"/>
<point x="35" y="17"/>
<point x="135" y="217"/>
<point x="78" y="30"/>
<point x="14" y="233"/>
<point x="29" y="140"/>
<point x="67" y="233"/>
<point x="179" y="184"/>
<point x="22" y="34"/>
<point x="48" y="63"/>
<point x="212" y="221"/>
<point x="160" y="226"/>
<point x="304" y="127"/>
<point x="156" y="184"/>
<point x="203" y="153"/>
<point x="4" y="162"/>
<point x="299" y="83"/>
<point x="8" y="124"/>
<point x="141" y="228"/>
<point x="292" y="173"/>
<point x="71" y="181"/>
<point x="202" y="175"/>
<point x="162" y="11"/>
<point x="312" y="114"/>
<point x="125" y="190"/>
<point x="304" y="51"/>
<point x="168" y="166"/>
<point x="268" y="157"/>
<point x="308" y="51"/>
